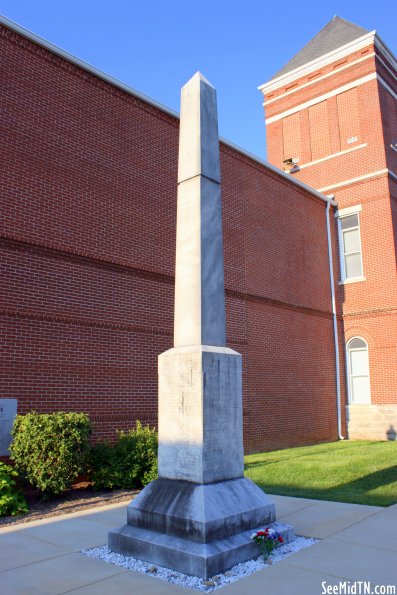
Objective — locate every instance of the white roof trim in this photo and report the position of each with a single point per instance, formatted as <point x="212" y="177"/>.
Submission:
<point x="389" y="70"/>
<point x="386" y="86"/>
<point x="130" y="90"/>
<point x="359" y="179"/>
<point x="320" y="62"/>
<point x="332" y="156"/>
<point x="387" y="53"/>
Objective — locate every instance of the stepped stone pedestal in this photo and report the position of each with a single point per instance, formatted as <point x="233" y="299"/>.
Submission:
<point x="199" y="515"/>
<point x="200" y="530"/>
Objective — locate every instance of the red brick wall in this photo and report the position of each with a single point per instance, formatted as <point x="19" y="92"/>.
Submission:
<point x="393" y="194"/>
<point x="331" y="136"/>
<point x="389" y="119"/>
<point x="348" y="117"/>
<point x="87" y="249"/>
<point x="292" y="136"/>
<point x="319" y="127"/>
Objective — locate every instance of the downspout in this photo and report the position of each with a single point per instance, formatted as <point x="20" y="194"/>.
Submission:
<point x="335" y="324"/>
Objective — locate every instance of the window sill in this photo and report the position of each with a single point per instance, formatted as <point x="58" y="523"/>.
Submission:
<point x="353" y="280"/>
<point x="355" y="404"/>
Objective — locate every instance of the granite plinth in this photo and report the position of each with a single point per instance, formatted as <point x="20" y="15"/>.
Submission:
<point x="201" y="512"/>
<point x="200" y="414"/>
<point x="190" y="557"/>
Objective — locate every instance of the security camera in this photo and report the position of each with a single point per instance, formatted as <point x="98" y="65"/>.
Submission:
<point x="291" y="161"/>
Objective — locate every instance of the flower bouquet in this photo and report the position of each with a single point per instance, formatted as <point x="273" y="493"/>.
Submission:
<point x="267" y="541"/>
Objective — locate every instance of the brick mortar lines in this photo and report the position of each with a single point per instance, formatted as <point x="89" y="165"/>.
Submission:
<point x="117" y="417"/>
<point x="84" y="322"/>
<point x="95" y="323"/>
<point x="47" y="248"/>
<point x="270" y="173"/>
<point x="370" y="313"/>
<point x="278" y="304"/>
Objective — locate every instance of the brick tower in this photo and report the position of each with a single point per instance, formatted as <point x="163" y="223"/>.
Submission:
<point x="331" y="121"/>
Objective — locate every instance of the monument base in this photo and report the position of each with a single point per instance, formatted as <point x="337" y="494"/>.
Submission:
<point x="190" y="557"/>
<point x="197" y="529"/>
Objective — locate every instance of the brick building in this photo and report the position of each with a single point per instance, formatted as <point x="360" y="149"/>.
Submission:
<point x="333" y="110"/>
<point x="87" y="242"/>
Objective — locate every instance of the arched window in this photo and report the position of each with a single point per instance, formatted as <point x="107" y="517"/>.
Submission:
<point x="358" y="369"/>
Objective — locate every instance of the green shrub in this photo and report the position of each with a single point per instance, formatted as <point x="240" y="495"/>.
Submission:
<point x="130" y="463"/>
<point x="50" y="448"/>
<point x="101" y="466"/>
<point x="11" y="500"/>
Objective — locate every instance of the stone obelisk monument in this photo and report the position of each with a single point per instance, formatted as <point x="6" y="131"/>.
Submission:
<point x="198" y="516"/>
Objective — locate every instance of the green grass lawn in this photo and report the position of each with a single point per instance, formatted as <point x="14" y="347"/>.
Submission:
<point x="361" y="472"/>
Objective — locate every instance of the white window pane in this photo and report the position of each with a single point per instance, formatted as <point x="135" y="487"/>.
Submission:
<point x="351" y="240"/>
<point x="357" y="343"/>
<point x="350" y="221"/>
<point x="353" y="265"/>
<point x="361" y="390"/>
<point x="359" y="363"/>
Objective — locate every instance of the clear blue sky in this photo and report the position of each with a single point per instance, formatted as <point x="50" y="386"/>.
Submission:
<point x="156" y="46"/>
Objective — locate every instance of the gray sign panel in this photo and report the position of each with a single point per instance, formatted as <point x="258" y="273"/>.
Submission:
<point x="8" y="411"/>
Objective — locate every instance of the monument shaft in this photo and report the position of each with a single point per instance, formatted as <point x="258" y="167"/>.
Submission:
<point x="199" y="317"/>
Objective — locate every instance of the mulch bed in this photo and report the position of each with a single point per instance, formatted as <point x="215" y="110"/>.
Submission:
<point x="81" y="496"/>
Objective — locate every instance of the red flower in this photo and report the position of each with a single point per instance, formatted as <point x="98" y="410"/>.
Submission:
<point x="281" y="540"/>
<point x="262" y="533"/>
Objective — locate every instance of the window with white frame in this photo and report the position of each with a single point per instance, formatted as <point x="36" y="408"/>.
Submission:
<point x="350" y="245"/>
<point x="358" y="370"/>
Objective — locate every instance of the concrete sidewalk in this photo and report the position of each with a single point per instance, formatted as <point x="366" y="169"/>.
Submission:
<point x="358" y="543"/>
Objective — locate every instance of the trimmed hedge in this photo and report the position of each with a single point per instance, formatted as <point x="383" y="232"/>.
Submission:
<point x="50" y="449"/>
<point x="130" y="463"/>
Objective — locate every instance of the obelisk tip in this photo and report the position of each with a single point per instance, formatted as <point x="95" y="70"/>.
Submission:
<point x="199" y="76"/>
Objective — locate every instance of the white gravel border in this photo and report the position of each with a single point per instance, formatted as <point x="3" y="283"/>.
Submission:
<point x="216" y="582"/>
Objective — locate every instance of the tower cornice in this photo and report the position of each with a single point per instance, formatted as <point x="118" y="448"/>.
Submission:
<point x="337" y="54"/>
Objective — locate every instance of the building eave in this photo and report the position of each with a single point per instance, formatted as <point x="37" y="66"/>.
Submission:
<point x="385" y="51"/>
<point x="84" y="65"/>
